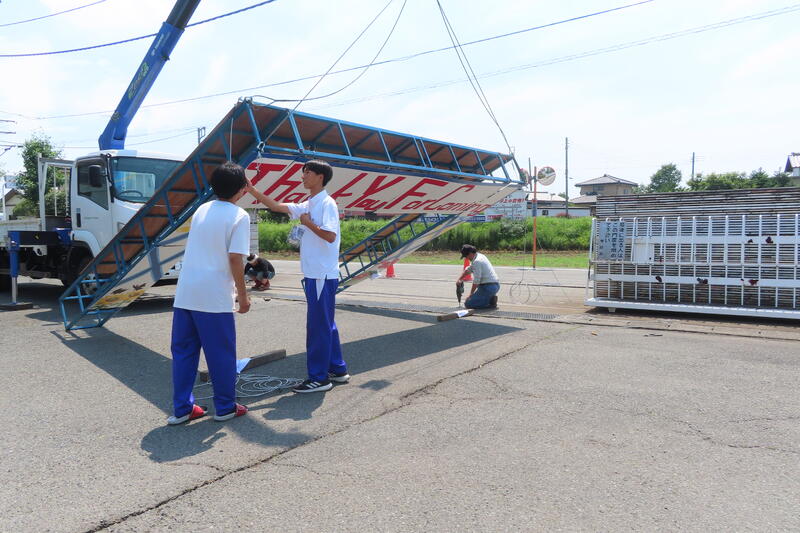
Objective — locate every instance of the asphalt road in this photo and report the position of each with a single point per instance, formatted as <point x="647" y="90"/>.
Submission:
<point x="489" y="423"/>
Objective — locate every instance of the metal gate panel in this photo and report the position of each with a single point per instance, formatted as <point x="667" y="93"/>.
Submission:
<point x="743" y="264"/>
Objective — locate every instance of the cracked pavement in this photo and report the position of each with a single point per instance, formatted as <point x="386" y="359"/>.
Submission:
<point x="477" y="424"/>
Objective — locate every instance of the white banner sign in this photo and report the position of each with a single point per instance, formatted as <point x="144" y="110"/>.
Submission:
<point x="382" y="193"/>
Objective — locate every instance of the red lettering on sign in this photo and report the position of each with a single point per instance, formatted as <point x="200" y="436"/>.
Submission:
<point x="413" y="190"/>
<point x="451" y="193"/>
<point x="375" y="187"/>
<point x="340" y="193"/>
<point x="284" y="181"/>
<point x="262" y="169"/>
<point x="295" y="198"/>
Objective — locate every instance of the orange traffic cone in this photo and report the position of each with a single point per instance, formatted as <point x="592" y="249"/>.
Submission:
<point x="390" y="270"/>
<point x="466" y="264"/>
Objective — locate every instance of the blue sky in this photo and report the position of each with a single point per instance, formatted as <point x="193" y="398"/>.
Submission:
<point x="727" y="93"/>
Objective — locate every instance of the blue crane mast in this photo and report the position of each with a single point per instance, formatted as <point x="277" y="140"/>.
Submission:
<point x="113" y="137"/>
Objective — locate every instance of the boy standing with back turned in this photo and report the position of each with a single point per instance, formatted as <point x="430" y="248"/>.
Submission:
<point x="319" y="261"/>
<point x="219" y="240"/>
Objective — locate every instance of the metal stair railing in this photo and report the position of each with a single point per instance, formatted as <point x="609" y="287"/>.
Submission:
<point x="251" y="131"/>
<point x="389" y="244"/>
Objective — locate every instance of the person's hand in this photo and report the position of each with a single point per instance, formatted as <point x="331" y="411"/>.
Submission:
<point x="305" y="219"/>
<point x="249" y="187"/>
<point x="244" y="305"/>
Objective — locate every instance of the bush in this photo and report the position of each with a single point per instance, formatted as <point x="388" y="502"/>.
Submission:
<point x="552" y="234"/>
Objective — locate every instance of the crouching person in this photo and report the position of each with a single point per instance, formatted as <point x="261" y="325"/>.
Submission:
<point x="260" y="271"/>
<point x="485" y="284"/>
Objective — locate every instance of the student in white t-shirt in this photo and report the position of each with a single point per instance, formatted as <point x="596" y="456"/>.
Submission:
<point x="319" y="261"/>
<point x="212" y="275"/>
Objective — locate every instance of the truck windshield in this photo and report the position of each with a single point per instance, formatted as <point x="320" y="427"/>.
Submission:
<point x="137" y="178"/>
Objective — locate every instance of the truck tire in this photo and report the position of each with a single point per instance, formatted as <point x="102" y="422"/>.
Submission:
<point x="5" y="279"/>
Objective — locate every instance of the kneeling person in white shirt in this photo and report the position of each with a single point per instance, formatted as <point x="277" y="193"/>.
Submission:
<point x="485" y="283"/>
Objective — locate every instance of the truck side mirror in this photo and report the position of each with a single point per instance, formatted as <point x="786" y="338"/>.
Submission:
<point x="97" y="176"/>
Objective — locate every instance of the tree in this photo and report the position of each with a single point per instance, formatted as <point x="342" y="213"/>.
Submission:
<point x="739" y="180"/>
<point x="666" y="179"/>
<point x="28" y="180"/>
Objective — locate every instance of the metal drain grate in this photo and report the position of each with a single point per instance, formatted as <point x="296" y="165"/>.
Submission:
<point x="499" y="313"/>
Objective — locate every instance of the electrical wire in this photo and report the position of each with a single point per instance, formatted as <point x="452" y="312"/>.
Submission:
<point x="251" y="386"/>
<point x="379" y="63"/>
<point x="560" y="59"/>
<point x="468" y="70"/>
<point x="581" y="55"/>
<point x="139" y="143"/>
<point x="132" y="39"/>
<point x="363" y="71"/>
<point x="50" y="15"/>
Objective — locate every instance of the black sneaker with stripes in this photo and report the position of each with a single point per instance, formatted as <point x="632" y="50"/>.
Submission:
<point x="311" y="385"/>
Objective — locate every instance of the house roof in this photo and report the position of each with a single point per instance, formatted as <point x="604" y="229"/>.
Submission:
<point x="585" y="199"/>
<point x="792" y="162"/>
<point x="11" y="194"/>
<point x="545" y="197"/>
<point x="604" y="180"/>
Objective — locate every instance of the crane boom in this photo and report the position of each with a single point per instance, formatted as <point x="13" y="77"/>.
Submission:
<point x="113" y="137"/>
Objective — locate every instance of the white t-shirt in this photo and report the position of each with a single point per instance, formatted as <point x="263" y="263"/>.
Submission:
<point x="319" y="259"/>
<point x="482" y="270"/>
<point x="206" y="283"/>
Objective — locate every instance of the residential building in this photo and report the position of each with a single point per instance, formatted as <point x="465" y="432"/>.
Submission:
<point x="605" y="185"/>
<point x="793" y="168"/>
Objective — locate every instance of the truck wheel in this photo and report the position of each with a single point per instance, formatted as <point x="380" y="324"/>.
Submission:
<point x="5" y="279"/>
<point x="87" y="288"/>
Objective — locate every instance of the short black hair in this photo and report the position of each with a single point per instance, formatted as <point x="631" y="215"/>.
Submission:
<point x="227" y="180"/>
<point x="320" y="167"/>
<point x="468" y="249"/>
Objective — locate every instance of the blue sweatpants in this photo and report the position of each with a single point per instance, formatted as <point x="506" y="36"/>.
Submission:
<point x="322" y="337"/>
<point x="216" y="334"/>
<point x="482" y="296"/>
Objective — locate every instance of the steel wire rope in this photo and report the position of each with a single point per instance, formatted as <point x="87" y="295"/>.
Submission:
<point x="364" y="68"/>
<point x="51" y="14"/>
<point x="352" y="44"/>
<point x="311" y="77"/>
<point x="132" y="39"/>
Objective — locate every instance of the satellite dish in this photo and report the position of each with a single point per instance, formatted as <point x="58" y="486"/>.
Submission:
<point x="546" y="176"/>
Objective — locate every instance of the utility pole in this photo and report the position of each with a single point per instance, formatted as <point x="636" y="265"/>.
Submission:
<point x="566" y="174"/>
<point x="692" y="165"/>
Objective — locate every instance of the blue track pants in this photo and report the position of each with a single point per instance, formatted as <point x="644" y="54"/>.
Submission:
<point x="322" y="337"/>
<point x="482" y="296"/>
<point x="216" y="334"/>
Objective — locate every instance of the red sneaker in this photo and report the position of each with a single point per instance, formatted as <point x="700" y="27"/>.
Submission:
<point x="238" y="410"/>
<point x="196" y="412"/>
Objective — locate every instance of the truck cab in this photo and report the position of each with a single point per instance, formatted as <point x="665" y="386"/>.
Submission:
<point x="106" y="189"/>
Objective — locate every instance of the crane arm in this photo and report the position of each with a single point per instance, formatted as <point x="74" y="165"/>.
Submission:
<point x="113" y="137"/>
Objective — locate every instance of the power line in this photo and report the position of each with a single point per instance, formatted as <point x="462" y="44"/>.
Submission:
<point x="561" y="59"/>
<point x="360" y="74"/>
<point x="581" y="55"/>
<point x="51" y="14"/>
<point x="468" y="70"/>
<point x="378" y="63"/>
<point x="132" y="39"/>
<point x="136" y="144"/>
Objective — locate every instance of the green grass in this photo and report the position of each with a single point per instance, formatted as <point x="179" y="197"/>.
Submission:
<point x="553" y="234"/>
<point x="517" y="259"/>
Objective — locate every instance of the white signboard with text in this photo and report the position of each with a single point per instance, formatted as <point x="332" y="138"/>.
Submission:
<point x="382" y="193"/>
